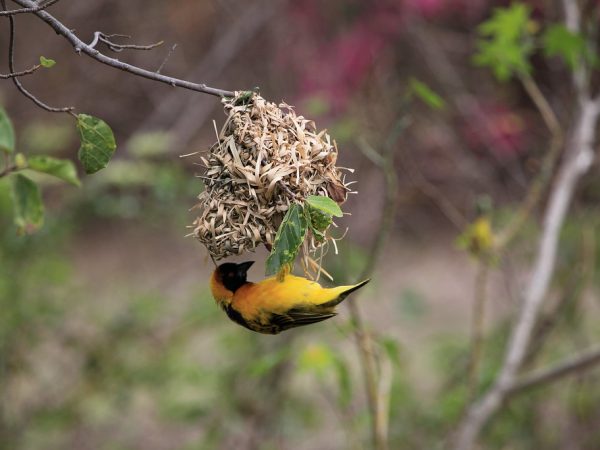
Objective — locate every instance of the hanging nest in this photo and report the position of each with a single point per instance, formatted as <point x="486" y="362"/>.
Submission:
<point x="266" y="158"/>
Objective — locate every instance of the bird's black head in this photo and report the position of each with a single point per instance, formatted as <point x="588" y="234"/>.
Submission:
<point x="232" y="275"/>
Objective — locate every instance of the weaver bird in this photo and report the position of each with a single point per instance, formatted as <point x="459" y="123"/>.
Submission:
<point x="272" y="306"/>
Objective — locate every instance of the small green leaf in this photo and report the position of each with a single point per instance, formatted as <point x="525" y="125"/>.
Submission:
<point x="7" y="133"/>
<point x="289" y="238"/>
<point x="505" y="43"/>
<point x="559" y="41"/>
<point x="324" y="204"/>
<point x="47" y="62"/>
<point x="27" y="204"/>
<point x="97" y="143"/>
<point x="60" y="168"/>
<point x="318" y="221"/>
<point x="426" y="94"/>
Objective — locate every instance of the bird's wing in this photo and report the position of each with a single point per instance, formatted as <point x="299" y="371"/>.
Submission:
<point x="298" y="316"/>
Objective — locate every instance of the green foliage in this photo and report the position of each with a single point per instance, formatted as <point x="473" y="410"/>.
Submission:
<point x="559" y="41"/>
<point x="316" y="215"/>
<point x="289" y="238"/>
<point x="7" y="133"/>
<point x="505" y="43"/>
<point x="60" y="168"/>
<point x="426" y="94"/>
<point x="97" y="143"/>
<point x="47" y="62"/>
<point x="27" y="203"/>
<point x="324" y="204"/>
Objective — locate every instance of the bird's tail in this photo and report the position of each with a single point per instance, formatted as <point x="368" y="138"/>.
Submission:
<point x="346" y="291"/>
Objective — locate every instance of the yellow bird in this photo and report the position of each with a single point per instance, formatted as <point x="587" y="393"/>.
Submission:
<point x="272" y="306"/>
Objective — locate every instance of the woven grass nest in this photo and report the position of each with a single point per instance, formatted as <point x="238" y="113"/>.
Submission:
<point x="265" y="159"/>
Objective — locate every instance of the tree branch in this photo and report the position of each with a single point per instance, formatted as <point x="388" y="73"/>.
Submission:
<point x="21" y="73"/>
<point x="28" y="10"/>
<point x="576" y="364"/>
<point x="15" y="79"/>
<point x="376" y="382"/>
<point x="579" y="158"/>
<point x="82" y="47"/>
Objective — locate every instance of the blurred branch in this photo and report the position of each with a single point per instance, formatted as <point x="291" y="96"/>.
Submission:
<point x="21" y="73"/>
<point x="28" y="10"/>
<point x="576" y="364"/>
<point x="374" y="380"/>
<point x="579" y="158"/>
<point x="81" y="46"/>
<point x="477" y="325"/>
<point x="190" y="114"/>
<point x="11" y="68"/>
<point x="419" y="180"/>
<point x="539" y="184"/>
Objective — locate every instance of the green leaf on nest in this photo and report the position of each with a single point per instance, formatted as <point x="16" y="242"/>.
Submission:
<point x="289" y="238"/>
<point x="60" y="168"/>
<point x="97" y="143"/>
<point x="7" y="133"/>
<point x="324" y="204"/>
<point x="27" y="204"/>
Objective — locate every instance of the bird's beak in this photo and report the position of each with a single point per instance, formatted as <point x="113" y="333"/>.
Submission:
<point x="243" y="268"/>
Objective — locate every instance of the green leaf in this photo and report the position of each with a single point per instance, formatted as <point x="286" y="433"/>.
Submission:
<point x="324" y="204"/>
<point x="60" y="168"/>
<point x="27" y="204"/>
<point x="7" y="133"/>
<point x="47" y="62"/>
<point x="290" y="235"/>
<point x="318" y="221"/>
<point x="426" y="94"/>
<point x="505" y="44"/>
<point x="97" y="143"/>
<point x="559" y="41"/>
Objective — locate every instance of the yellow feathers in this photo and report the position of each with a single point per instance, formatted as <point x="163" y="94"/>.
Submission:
<point x="271" y="306"/>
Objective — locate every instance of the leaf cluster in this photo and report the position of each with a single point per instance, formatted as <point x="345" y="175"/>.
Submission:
<point x="315" y="216"/>
<point x="97" y="147"/>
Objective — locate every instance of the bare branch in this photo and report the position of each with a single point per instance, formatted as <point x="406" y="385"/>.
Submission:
<point x="576" y="364"/>
<point x="11" y="67"/>
<point x="21" y="73"/>
<point x="105" y="38"/>
<point x="28" y="10"/>
<point x="82" y="47"/>
<point x="580" y="157"/>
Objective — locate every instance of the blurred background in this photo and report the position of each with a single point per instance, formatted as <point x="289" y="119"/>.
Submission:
<point x="109" y="338"/>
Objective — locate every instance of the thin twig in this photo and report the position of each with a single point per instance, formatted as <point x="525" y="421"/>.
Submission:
<point x="378" y="407"/>
<point x="576" y="364"/>
<point x="171" y="51"/>
<point x="28" y="10"/>
<point x="11" y="68"/>
<point x="539" y="184"/>
<point x="82" y="47"/>
<point x="477" y="326"/>
<point x="21" y="73"/>
<point x="105" y="38"/>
